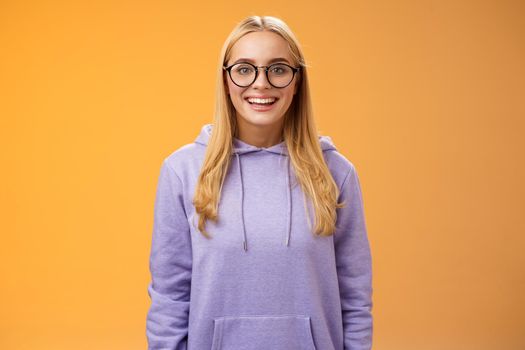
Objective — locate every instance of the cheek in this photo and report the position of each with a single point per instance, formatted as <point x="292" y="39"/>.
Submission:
<point x="234" y="90"/>
<point x="289" y="96"/>
<point x="235" y="94"/>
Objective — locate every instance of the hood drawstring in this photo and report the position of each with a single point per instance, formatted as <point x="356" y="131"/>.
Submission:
<point x="288" y="197"/>
<point x="245" y="244"/>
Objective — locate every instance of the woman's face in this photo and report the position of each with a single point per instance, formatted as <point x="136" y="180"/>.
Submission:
<point x="260" y="49"/>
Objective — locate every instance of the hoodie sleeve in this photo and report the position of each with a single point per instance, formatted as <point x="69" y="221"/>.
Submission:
<point x="354" y="266"/>
<point x="170" y="265"/>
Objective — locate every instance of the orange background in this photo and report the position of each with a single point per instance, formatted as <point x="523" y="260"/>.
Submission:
<point x="426" y="98"/>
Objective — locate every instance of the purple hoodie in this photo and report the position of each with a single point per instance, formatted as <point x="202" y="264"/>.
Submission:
<point x="264" y="280"/>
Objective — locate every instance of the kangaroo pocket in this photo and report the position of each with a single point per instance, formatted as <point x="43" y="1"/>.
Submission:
<point x="283" y="332"/>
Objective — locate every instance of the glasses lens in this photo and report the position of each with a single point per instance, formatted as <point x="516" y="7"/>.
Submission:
<point x="243" y="74"/>
<point x="280" y="75"/>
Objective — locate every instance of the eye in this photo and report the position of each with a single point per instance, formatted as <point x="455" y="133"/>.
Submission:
<point x="279" y="69"/>
<point x="243" y="69"/>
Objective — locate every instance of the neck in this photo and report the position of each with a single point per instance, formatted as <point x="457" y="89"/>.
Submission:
<point x="259" y="135"/>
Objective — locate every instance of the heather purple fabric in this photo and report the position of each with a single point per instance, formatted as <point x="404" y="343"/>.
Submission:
<point x="264" y="280"/>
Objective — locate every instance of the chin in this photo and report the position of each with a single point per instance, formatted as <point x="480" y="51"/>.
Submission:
<point x="261" y="119"/>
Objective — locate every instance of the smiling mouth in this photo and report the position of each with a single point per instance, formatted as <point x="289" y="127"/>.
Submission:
<point x="261" y="104"/>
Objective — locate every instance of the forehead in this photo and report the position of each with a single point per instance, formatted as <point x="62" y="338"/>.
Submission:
<point x="260" y="47"/>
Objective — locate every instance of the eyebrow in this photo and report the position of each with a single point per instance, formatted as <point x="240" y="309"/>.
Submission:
<point x="277" y="59"/>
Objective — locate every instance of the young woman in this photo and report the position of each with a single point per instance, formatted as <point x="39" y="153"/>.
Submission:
<point x="236" y="262"/>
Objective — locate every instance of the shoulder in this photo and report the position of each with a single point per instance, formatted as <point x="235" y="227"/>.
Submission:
<point x="340" y="165"/>
<point x="184" y="158"/>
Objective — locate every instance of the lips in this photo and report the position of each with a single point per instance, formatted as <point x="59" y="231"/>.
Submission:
<point x="261" y="107"/>
<point x="261" y="104"/>
<point x="262" y="98"/>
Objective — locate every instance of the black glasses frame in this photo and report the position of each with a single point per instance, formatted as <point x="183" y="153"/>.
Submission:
<point x="266" y="69"/>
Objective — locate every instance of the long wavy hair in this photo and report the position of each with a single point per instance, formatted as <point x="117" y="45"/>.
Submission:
<point x="299" y="133"/>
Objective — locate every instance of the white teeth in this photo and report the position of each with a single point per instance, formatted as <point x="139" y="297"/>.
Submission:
<point x="261" y="101"/>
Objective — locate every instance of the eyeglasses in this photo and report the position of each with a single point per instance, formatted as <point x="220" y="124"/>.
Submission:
<point x="244" y="74"/>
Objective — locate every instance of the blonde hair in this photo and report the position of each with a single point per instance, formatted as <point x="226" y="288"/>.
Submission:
<point x="299" y="133"/>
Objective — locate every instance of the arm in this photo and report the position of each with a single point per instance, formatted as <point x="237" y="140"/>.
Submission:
<point x="354" y="266"/>
<point x="170" y="265"/>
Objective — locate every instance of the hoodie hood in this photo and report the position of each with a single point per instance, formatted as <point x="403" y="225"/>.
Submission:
<point x="280" y="149"/>
<point x="241" y="147"/>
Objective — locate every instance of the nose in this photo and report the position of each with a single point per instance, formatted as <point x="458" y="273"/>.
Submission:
<point x="261" y="81"/>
